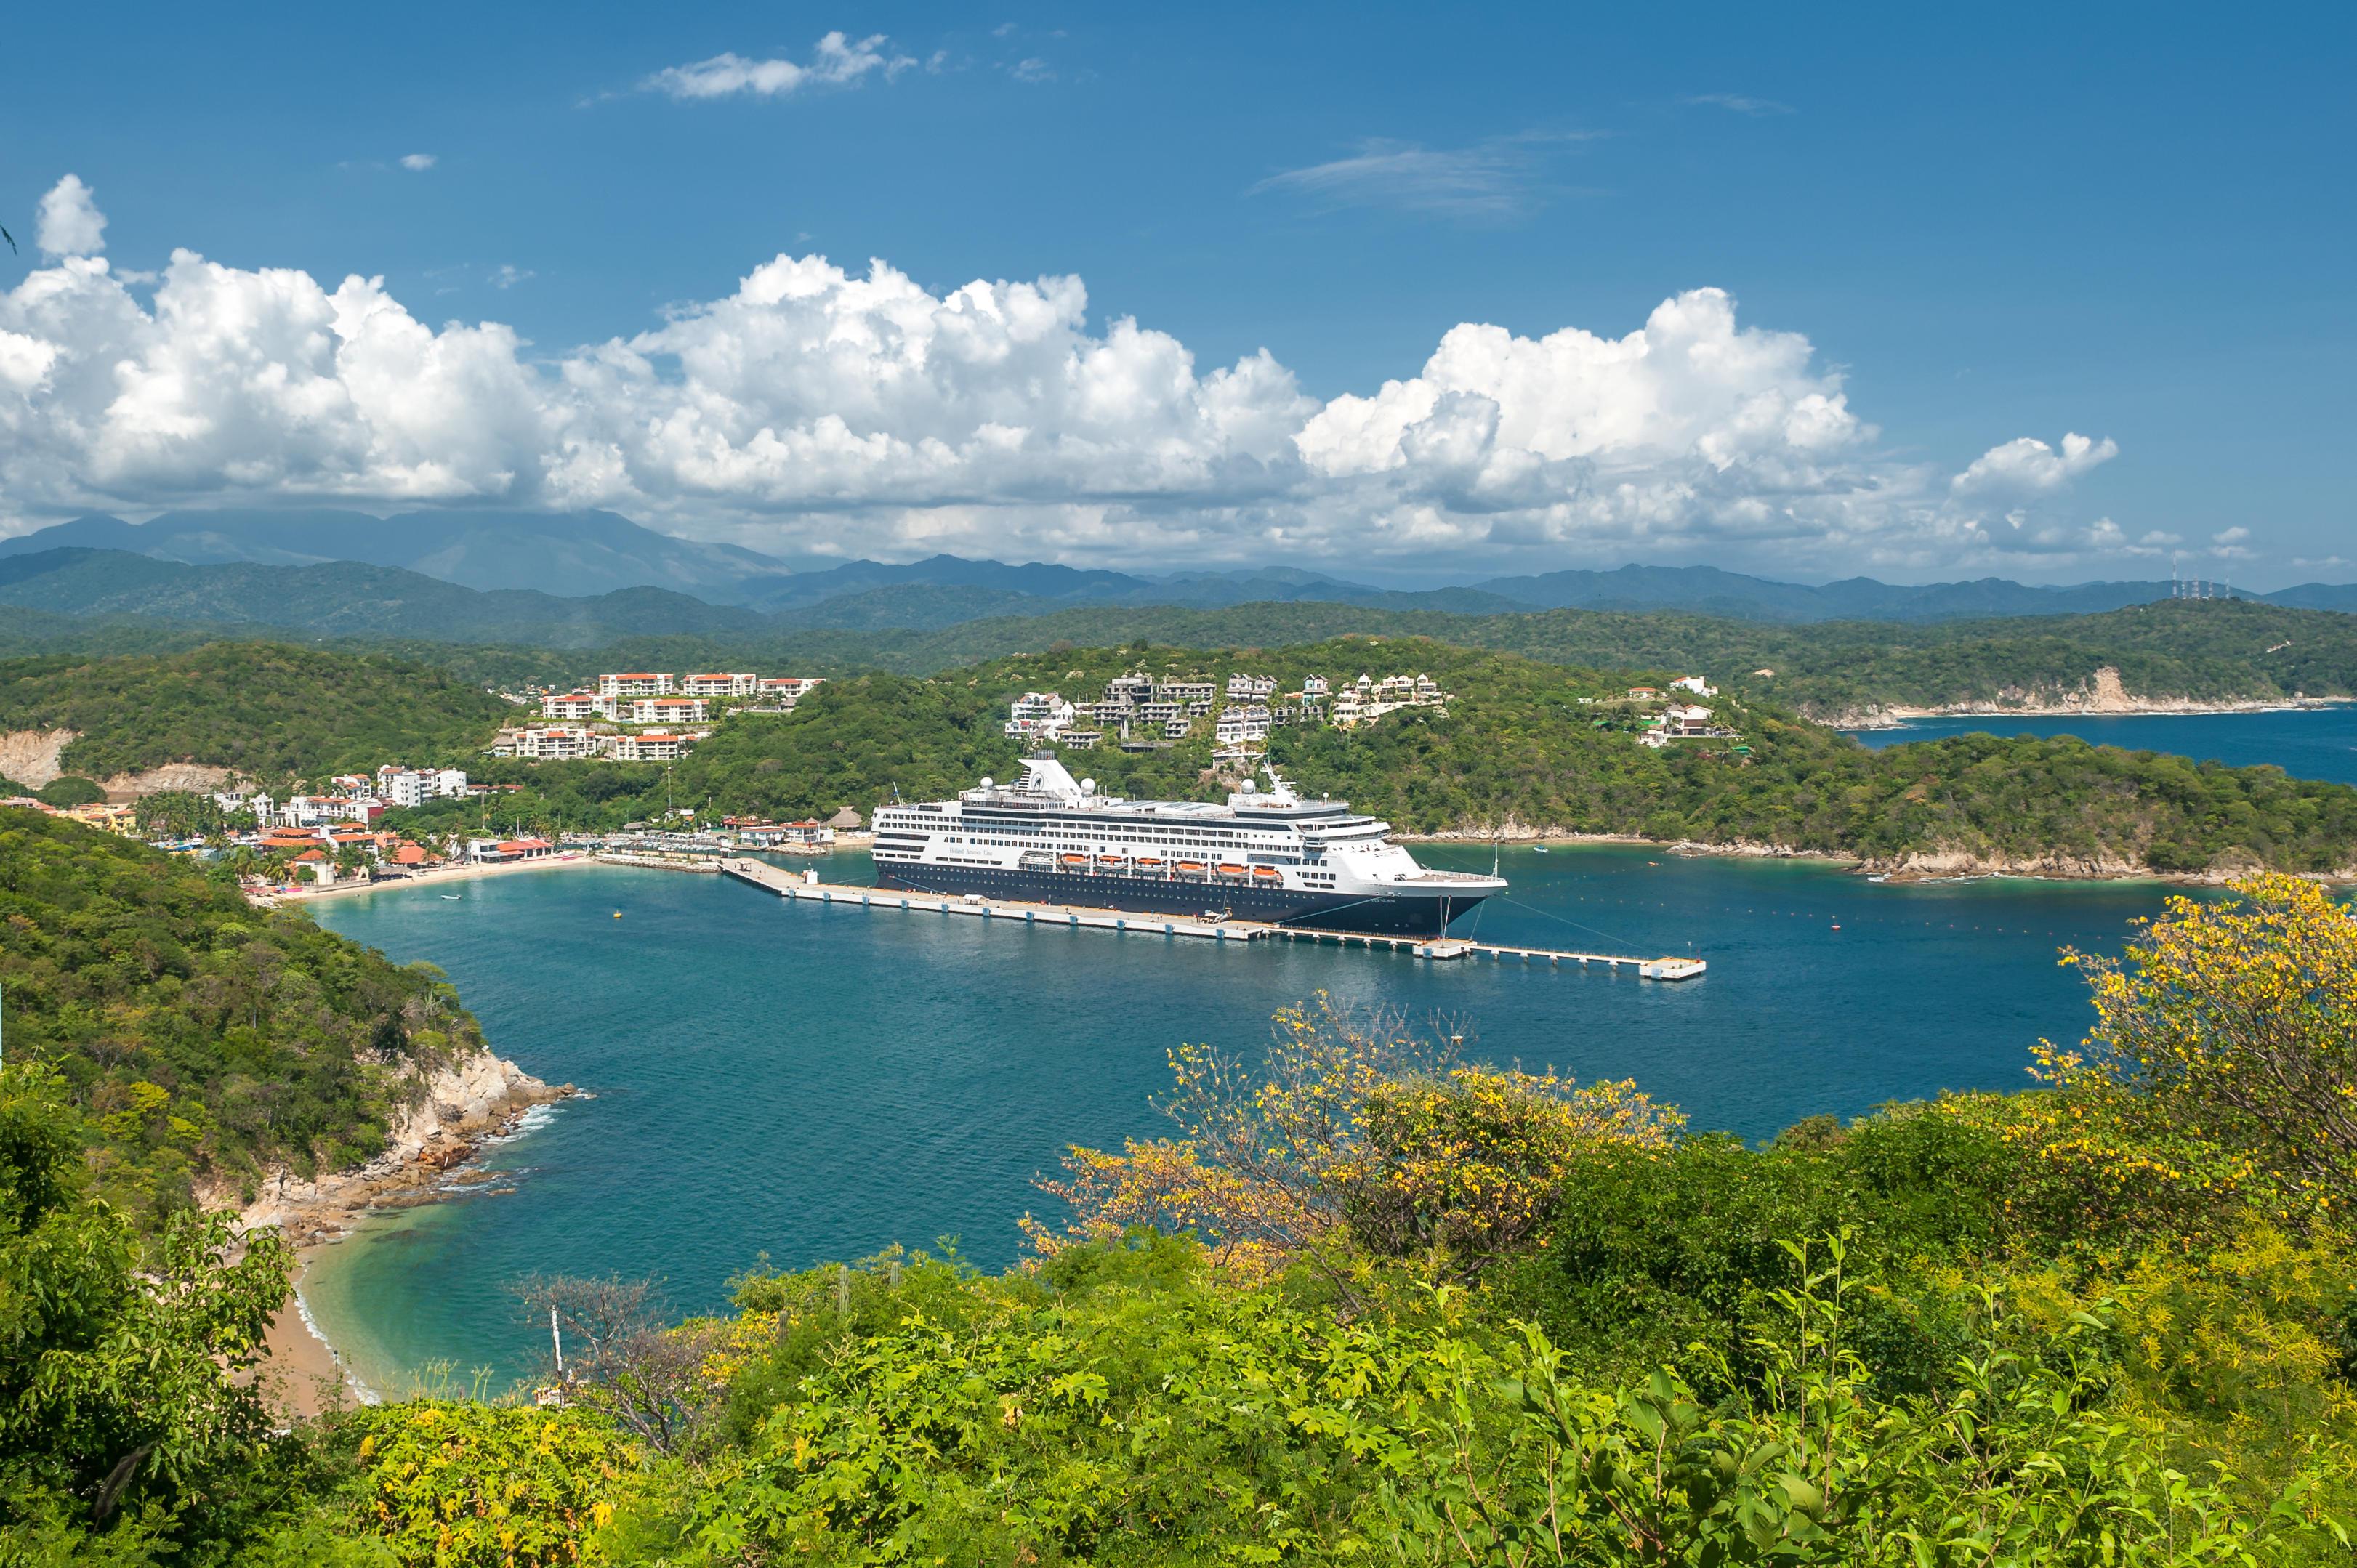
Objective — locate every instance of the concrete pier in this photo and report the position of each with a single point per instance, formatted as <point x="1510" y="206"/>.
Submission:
<point x="803" y="887"/>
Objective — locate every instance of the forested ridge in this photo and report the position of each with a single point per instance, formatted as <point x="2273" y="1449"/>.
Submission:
<point x="2217" y="650"/>
<point x="267" y="711"/>
<point x="204" y="1040"/>
<point x="1369" y="1301"/>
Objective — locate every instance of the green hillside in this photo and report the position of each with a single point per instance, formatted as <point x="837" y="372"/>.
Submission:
<point x="269" y="711"/>
<point x="1519" y="746"/>
<point x="201" y="1037"/>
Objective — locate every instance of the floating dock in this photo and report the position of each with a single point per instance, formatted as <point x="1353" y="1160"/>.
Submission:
<point x="803" y="887"/>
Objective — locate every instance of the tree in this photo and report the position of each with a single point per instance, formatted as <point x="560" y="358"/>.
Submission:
<point x="125" y="1373"/>
<point x="621" y="1352"/>
<point x="1355" y="1129"/>
<point x="2234" y="1022"/>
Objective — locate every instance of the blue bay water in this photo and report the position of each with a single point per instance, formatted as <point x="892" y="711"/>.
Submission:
<point x="2306" y="743"/>
<point x="811" y="1083"/>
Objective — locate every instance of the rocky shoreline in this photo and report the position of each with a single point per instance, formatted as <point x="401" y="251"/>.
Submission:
<point x="1923" y="866"/>
<point x="2104" y="696"/>
<point x="461" y="1108"/>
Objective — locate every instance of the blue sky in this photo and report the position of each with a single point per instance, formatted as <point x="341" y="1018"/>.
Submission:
<point x="1946" y="241"/>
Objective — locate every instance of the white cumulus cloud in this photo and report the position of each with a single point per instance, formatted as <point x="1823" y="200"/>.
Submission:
<point x="2026" y="466"/>
<point x="824" y="408"/>
<point x="837" y="60"/>
<point x="69" y="222"/>
<point x="417" y="163"/>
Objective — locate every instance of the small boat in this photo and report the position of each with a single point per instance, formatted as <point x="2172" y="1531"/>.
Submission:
<point x="1191" y="866"/>
<point x="1112" y="860"/>
<point x="1538" y="848"/>
<point x="449" y="898"/>
<point x="1231" y="870"/>
<point x="1266" y="873"/>
<point x="1837" y="925"/>
<point x="1076" y="860"/>
<point x="1147" y="860"/>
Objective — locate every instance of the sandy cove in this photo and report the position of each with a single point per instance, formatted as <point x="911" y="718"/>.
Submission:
<point x="450" y="877"/>
<point x="463" y="1107"/>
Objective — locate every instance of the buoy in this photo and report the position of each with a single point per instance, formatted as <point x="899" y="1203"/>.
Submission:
<point x="617" y="914"/>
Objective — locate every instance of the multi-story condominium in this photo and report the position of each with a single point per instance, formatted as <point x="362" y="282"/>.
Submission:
<point x="1079" y="739"/>
<point x="720" y="685"/>
<point x="1186" y="692"/>
<point x="1044" y="715"/>
<point x="1239" y="725"/>
<point x="1132" y="688"/>
<point x="1240" y="685"/>
<point x="649" y="748"/>
<point x="1315" y="686"/>
<point x="548" y="743"/>
<point x="666" y="710"/>
<point x="635" y="683"/>
<point x="1176" y="729"/>
<point x="786" y="690"/>
<point x="574" y="705"/>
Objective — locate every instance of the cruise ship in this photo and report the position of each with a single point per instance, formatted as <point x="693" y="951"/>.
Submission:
<point x="1267" y="854"/>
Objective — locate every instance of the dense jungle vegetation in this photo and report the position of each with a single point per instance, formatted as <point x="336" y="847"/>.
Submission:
<point x="1370" y="1301"/>
<point x="2204" y="651"/>
<point x="271" y="712"/>
<point x="1518" y="745"/>
<point x="197" y="1037"/>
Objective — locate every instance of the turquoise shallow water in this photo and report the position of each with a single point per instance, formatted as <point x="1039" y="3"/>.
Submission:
<point x="2310" y="743"/>
<point x="813" y="1083"/>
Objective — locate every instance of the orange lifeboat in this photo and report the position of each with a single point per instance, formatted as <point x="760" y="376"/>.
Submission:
<point x="1266" y="873"/>
<point x="1231" y="870"/>
<point x="1076" y="860"/>
<point x="1149" y="862"/>
<point x="1191" y="866"/>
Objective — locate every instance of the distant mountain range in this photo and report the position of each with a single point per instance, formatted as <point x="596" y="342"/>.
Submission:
<point x="571" y="554"/>
<point x="572" y="579"/>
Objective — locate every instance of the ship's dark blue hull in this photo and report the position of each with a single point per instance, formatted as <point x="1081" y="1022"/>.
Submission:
<point x="1415" y="916"/>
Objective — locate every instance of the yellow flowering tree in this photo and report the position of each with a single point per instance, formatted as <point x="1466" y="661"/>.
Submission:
<point x="2234" y="1023"/>
<point x="1354" y="1128"/>
<point x="474" y="1486"/>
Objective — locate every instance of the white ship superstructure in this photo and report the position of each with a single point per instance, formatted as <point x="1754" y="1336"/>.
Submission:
<point x="1265" y="855"/>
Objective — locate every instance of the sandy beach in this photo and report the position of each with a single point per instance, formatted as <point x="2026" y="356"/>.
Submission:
<point x="300" y="1374"/>
<point x="450" y="877"/>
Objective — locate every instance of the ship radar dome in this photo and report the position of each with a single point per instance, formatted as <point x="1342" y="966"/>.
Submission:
<point x="985" y="780"/>
<point x="1088" y="786"/>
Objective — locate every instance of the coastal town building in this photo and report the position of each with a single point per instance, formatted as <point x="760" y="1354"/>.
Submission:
<point x="635" y="683"/>
<point x="576" y="706"/>
<point x="1038" y="715"/>
<point x="666" y="711"/>
<point x="649" y="748"/>
<point x="786" y="690"/>
<point x="546" y="743"/>
<point x="1695" y="683"/>
<point x="731" y="685"/>
<point x="410" y="787"/>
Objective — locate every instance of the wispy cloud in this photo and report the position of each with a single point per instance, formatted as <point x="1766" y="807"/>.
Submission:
<point x="837" y="60"/>
<point x="1740" y="103"/>
<point x="1031" y="70"/>
<point x="507" y="274"/>
<point x="1495" y="178"/>
<point x="417" y="163"/>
